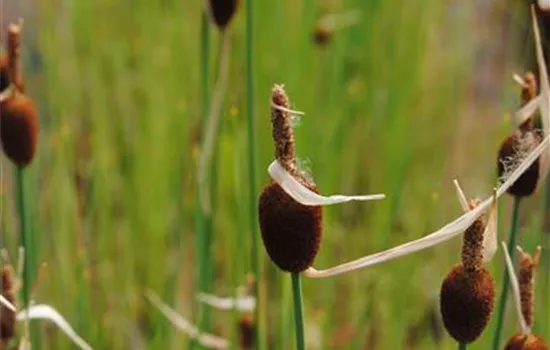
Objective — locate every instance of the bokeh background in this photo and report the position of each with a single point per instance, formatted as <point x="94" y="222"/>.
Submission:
<point x="415" y="94"/>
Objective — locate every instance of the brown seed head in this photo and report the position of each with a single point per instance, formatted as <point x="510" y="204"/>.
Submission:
<point x="291" y="232"/>
<point x="19" y="128"/>
<point x="526" y="284"/>
<point x="283" y="134"/>
<point x="526" y="342"/>
<point x="222" y="11"/>
<point x="472" y="243"/>
<point x="321" y="35"/>
<point x="7" y="316"/>
<point x="466" y="302"/>
<point x="246" y="332"/>
<point x="511" y="152"/>
<point x="529" y="91"/>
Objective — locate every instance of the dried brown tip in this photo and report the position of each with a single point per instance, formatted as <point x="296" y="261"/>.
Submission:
<point x="529" y="91"/>
<point x="321" y="35"/>
<point x="246" y="332"/>
<point x="526" y="284"/>
<point x="14" y="52"/>
<point x="283" y="134"/>
<point x="7" y="316"/>
<point x="222" y="11"/>
<point x="511" y="152"/>
<point x="466" y="302"/>
<point x="19" y="131"/>
<point x="472" y="243"/>
<point x="526" y="342"/>
<point x="291" y="232"/>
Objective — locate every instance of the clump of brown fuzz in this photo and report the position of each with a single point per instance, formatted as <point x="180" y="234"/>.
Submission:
<point x="468" y="292"/>
<point x="291" y="232"/>
<point x="526" y="342"/>
<point x="521" y="143"/>
<point x="222" y="11"/>
<point x="7" y="316"/>
<point x="19" y="132"/>
<point x="246" y="332"/>
<point x="466" y="302"/>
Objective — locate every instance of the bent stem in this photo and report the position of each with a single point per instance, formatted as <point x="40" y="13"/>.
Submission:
<point x="298" y="311"/>
<point x="506" y="280"/>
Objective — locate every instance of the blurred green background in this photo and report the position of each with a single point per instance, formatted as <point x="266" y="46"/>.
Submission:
<point x="415" y="94"/>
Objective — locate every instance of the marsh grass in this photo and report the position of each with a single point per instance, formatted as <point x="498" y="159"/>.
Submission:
<point x="384" y="115"/>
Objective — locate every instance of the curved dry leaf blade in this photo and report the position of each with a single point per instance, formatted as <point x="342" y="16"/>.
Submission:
<point x="46" y="312"/>
<point x="461" y="196"/>
<point x="208" y="340"/>
<point x="243" y="303"/>
<point x="7" y="303"/>
<point x="303" y="195"/>
<point x="515" y="290"/>
<point x="490" y="235"/>
<point x="450" y="230"/>
<point x="543" y="77"/>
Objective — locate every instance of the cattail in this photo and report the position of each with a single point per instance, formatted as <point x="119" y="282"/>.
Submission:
<point x="524" y="295"/>
<point x="468" y="292"/>
<point x="19" y="128"/>
<point x="7" y="316"/>
<point x="330" y="23"/>
<point x="291" y="231"/>
<point x="522" y="141"/>
<point x="222" y="11"/>
<point x="4" y="74"/>
<point x="321" y="35"/>
<point x="246" y="332"/>
<point x="18" y="113"/>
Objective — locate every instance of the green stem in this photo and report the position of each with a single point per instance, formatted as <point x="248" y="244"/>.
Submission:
<point x="25" y="235"/>
<point x="253" y="190"/>
<point x="298" y="311"/>
<point x="506" y="280"/>
<point x="546" y="247"/>
<point x="462" y="346"/>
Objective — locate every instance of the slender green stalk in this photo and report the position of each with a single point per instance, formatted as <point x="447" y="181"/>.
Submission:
<point x="253" y="188"/>
<point x="462" y="346"/>
<point x="506" y="280"/>
<point x="201" y="222"/>
<point x="298" y="311"/>
<point x="546" y="245"/>
<point x="25" y="235"/>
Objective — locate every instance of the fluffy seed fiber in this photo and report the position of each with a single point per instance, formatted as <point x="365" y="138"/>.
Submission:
<point x="526" y="342"/>
<point x="291" y="232"/>
<point x="510" y="151"/>
<point x="222" y="11"/>
<point x="466" y="302"/>
<point x="7" y="316"/>
<point x="19" y="132"/>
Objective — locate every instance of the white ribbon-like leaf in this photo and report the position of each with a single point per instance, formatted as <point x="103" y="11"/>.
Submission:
<point x="207" y="340"/>
<point x="450" y="230"/>
<point x="544" y="4"/>
<point x="303" y="195"/>
<point x="543" y="79"/>
<point x="525" y="329"/>
<point x="244" y="303"/>
<point x="47" y="312"/>
<point x="527" y="111"/>
<point x="7" y="303"/>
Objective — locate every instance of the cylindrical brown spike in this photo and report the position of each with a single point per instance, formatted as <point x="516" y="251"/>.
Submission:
<point x="526" y="342"/>
<point x="529" y="91"/>
<point x="14" y="48"/>
<point x="19" y="128"/>
<point x="526" y="285"/>
<point x="466" y="302"/>
<point x="4" y="72"/>
<point x="291" y="232"/>
<point x="222" y="11"/>
<point x="246" y="332"/>
<point x="512" y="149"/>
<point x="7" y="316"/>
<point x="472" y="244"/>
<point x="283" y="134"/>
